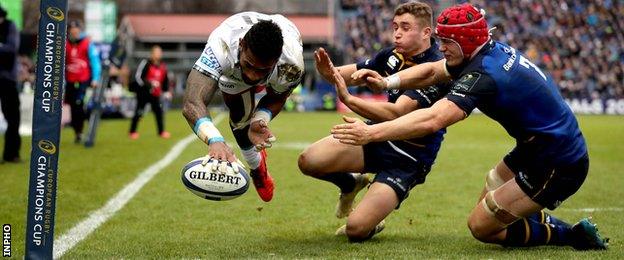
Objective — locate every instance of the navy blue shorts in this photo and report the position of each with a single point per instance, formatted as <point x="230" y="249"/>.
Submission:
<point x="394" y="167"/>
<point x="547" y="185"/>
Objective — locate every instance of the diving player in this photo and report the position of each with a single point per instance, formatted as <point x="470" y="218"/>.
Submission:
<point x="249" y="52"/>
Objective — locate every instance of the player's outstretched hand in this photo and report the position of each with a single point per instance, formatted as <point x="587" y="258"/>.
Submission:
<point x="372" y="79"/>
<point x="354" y="132"/>
<point x="260" y="135"/>
<point x="220" y="151"/>
<point x="330" y="73"/>
<point x="222" y="167"/>
<point x="324" y="64"/>
<point x="219" y="155"/>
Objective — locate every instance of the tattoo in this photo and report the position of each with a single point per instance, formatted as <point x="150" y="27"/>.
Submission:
<point x="199" y="92"/>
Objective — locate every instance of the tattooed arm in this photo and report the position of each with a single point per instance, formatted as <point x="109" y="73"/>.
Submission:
<point x="199" y="92"/>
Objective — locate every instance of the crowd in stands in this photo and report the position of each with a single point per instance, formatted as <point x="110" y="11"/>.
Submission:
<point x="580" y="43"/>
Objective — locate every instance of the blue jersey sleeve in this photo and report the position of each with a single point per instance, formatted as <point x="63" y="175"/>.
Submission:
<point x="427" y="96"/>
<point x="377" y="62"/>
<point x="470" y="90"/>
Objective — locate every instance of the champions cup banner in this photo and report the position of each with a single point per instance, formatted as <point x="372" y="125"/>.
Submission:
<point x="46" y="129"/>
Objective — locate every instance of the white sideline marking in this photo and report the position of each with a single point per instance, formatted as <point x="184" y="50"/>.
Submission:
<point x="285" y="146"/>
<point x="96" y="218"/>
<point x="594" y="209"/>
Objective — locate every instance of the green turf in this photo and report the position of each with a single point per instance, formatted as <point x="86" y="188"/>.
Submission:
<point x="164" y="220"/>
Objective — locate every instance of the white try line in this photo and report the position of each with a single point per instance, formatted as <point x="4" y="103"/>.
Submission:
<point x="96" y="218"/>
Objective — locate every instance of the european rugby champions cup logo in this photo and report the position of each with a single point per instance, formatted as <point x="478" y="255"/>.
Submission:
<point x="47" y="147"/>
<point x="55" y="14"/>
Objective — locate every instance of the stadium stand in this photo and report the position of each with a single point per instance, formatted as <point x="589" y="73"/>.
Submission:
<point x="580" y="42"/>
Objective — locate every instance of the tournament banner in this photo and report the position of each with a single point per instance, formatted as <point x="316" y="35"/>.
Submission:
<point x="46" y="129"/>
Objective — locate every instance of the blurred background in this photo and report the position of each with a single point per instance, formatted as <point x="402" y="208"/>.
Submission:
<point x="580" y="43"/>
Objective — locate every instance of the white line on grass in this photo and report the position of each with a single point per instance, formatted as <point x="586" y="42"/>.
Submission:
<point x="594" y="209"/>
<point x="96" y="218"/>
<point x="285" y="146"/>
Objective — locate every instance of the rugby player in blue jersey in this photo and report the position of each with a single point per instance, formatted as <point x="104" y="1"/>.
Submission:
<point x="550" y="160"/>
<point x="398" y="165"/>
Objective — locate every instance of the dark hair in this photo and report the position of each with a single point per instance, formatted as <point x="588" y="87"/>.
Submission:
<point x="265" y="40"/>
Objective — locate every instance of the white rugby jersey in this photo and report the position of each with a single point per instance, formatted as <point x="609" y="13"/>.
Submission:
<point x="219" y="60"/>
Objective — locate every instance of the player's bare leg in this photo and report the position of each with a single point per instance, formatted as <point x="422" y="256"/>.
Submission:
<point x="328" y="156"/>
<point x="496" y="177"/>
<point x="503" y="217"/>
<point x="502" y="174"/>
<point x="330" y="160"/>
<point x="367" y="218"/>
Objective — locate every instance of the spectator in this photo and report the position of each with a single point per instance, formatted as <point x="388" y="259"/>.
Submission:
<point x="580" y="42"/>
<point x="9" y="98"/>
<point x="151" y="82"/>
<point x="82" y="69"/>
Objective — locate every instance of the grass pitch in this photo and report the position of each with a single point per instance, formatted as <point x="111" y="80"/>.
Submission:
<point x="164" y="220"/>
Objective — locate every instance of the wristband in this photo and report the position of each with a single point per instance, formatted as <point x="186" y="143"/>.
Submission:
<point x="262" y="114"/>
<point x="206" y="131"/>
<point x="393" y="81"/>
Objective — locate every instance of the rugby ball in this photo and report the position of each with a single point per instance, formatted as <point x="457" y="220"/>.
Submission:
<point x="214" y="185"/>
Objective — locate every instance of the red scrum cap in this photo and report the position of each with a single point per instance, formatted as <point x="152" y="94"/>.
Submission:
<point x="465" y="25"/>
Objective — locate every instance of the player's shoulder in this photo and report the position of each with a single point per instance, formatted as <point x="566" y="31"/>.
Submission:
<point x="385" y="53"/>
<point x="290" y="66"/>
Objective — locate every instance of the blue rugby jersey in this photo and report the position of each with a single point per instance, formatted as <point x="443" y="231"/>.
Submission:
<point x="387" y="62"/>
<point x="510" y="89"/>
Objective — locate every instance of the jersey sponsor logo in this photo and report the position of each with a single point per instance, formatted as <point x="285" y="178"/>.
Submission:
<point x="524" y="178"/>
<point x="209" y="59"/>
<point x="511" y="60"/>
<point x="227" y="85"/>
<point x="289" y="72"/>
<point x="392" y="62"/>
<point x="455" y="93"/>
<point x="397" y="181"/>
<point x="467" y="82"/>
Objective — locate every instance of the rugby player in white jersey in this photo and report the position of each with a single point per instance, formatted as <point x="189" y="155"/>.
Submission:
<point x="248" y="52"/>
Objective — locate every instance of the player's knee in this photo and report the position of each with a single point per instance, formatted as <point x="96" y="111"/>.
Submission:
<point x="358" y="231"/>
<point x="489" y="218"/>
<point x="477" y="229"/>
<point x="305" y="165"/>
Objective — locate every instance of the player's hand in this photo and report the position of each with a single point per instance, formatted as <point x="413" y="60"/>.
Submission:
<point x="324" y="64"/>
<point x="330" y="73"/>
<point x="260" y="135"/>
<point x="372" y="79"/>
<point x="94" y="83"/>
<point x="341" y="87"/>
<point x="221" y="152"/>
<point x="222" y="166"/>
<point x="354" y="132"/>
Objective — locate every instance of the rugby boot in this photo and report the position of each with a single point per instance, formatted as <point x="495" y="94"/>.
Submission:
<point x="262" y="180"/>
<point x="587" y="236"/>
<point x="345" y="202"/>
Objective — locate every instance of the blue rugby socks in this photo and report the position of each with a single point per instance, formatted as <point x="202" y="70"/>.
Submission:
<point x="344" y="181"/>
<point x="539" y="229"/>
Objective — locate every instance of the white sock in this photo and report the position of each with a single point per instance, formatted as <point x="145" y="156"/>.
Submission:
<point x="252" y="157"/>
